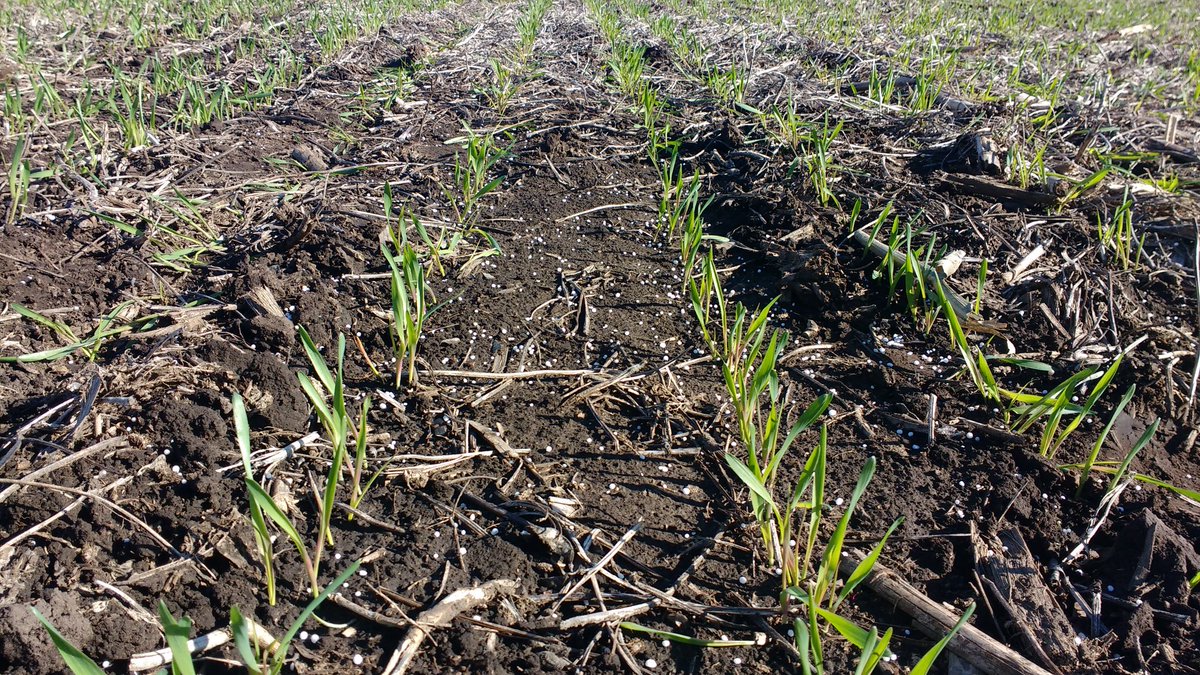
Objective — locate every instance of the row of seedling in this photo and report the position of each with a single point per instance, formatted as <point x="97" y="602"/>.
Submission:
<point x="511" y="71"/>
<point x="908" y="269"/>
<point x="748" y="351"/>
<point x="727" y="85"/>
<point x="184" y="91"/>
<point x="809" y="141"/>
<point x="679" y="205"/>
<point x="259" y="652"/>
<point x="790" y="520"/>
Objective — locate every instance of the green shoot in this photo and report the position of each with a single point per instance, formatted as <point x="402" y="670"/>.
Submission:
<point x="686" y="639"/>
<point x="260" y="503"/>
<point x="1057" y="403"/>
<point x="20" y="177"/>
<point x="177" y="633"/>
<point x="820" y="161"/>
<point x="90" y="346"/>
<point x="1119" y="475"/>
<point x="873" y="651"/>
<point x="272" y="659"/>
<point x="924" y="666"/>
<point x="1095" y="453"/>
<point x="1118" y="236"/>
<point x="410" y="304"/>
<point x="77" y="662"/>
<point x="471" y="170"/>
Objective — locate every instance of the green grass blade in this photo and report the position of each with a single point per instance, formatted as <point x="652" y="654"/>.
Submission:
<point x="272" y="510"/>
<point x="926" y="663"/>
<point x="803" y="645"/>
<point x="37" y="317"/>
<point x="686" y="639"/>
<point x="318" y="401"/>
<point x="241" y="639"/>
<point x="748" y="477"/>
<point x="178" y="633"/>
<point x="281" y="650"/>
<point x="1097" y="390"/>
<point x="1142" y="441"/>
<point x="242" y="427"/>
<point x="76" y="661"/>
<point x="1095" y="453"/>
<point x="833" y="549"/>
<point x="855" y="634"/>
<point x="317" y="361"/>
<point x="863" y="570"/>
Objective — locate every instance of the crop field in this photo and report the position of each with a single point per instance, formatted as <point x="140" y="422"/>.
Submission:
<point x="639" y="336"/>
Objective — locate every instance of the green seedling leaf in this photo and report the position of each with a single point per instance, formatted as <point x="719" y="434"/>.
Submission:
<point x="1027" y="364"/>
<point x="1142" y="441"/>
<point x="261" y="536"/>
<point x="286" y="640"/>
<point x="39" y="318"/>
<point x="178" y="633"/>
<point x="241" y="426"/>
<point x="1182" y="492"/>
<point x="863" y="570"/>
<point x="926" y="663"/>
<point x="1111" y="468"/>
<point x="1097" y="390"/>
<point x="241" y="639"/>
<point x="833" y="549"/>
<point x="814" y="411"/>
<point x="272" y="510"/>
<point x="1091" y="459"/>
<point x="317" y="361"/>
<point x="687" y="639"/>
<point x="803" y="645"/>
<point x="76" y="660"/>
<point x="48" y="354"/>
<point x="873" y="652"/>
<point x="317" y="399"/>
<point x="854" y="633"/>
<point x="748" y="477"/>
<point x="491" y="185"/>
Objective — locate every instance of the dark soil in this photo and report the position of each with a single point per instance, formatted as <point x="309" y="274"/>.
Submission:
<point x="575" y="221"/>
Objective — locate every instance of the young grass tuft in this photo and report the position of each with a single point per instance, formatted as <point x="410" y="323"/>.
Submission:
<point x="410" y="304"/>
<point x="471" y="170"/>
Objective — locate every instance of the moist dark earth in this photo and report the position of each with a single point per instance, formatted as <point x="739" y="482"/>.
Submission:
<point x="563" y="384"/>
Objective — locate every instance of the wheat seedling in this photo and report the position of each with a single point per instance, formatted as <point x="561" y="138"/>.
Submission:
<point x="410" y="304"/>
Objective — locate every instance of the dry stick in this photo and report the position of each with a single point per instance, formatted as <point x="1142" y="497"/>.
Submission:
<point x="589" y="390"/>
<point x="931" y="420"/>
<point x="627" y="205"/>
<point x="611" y="616"/>
<point x="142" y="614"/>
<point x="1196" y="365"/>
<point x="94" y="494"/>
<point x="535" y="374"/>
<point x="971" y="644"/>
<point x="527" y="375"/>
<point x="442" y="614"/>
<point x="203" y="643"/>
<point x="65" y="461"/>
<point x="596" y="568"/>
